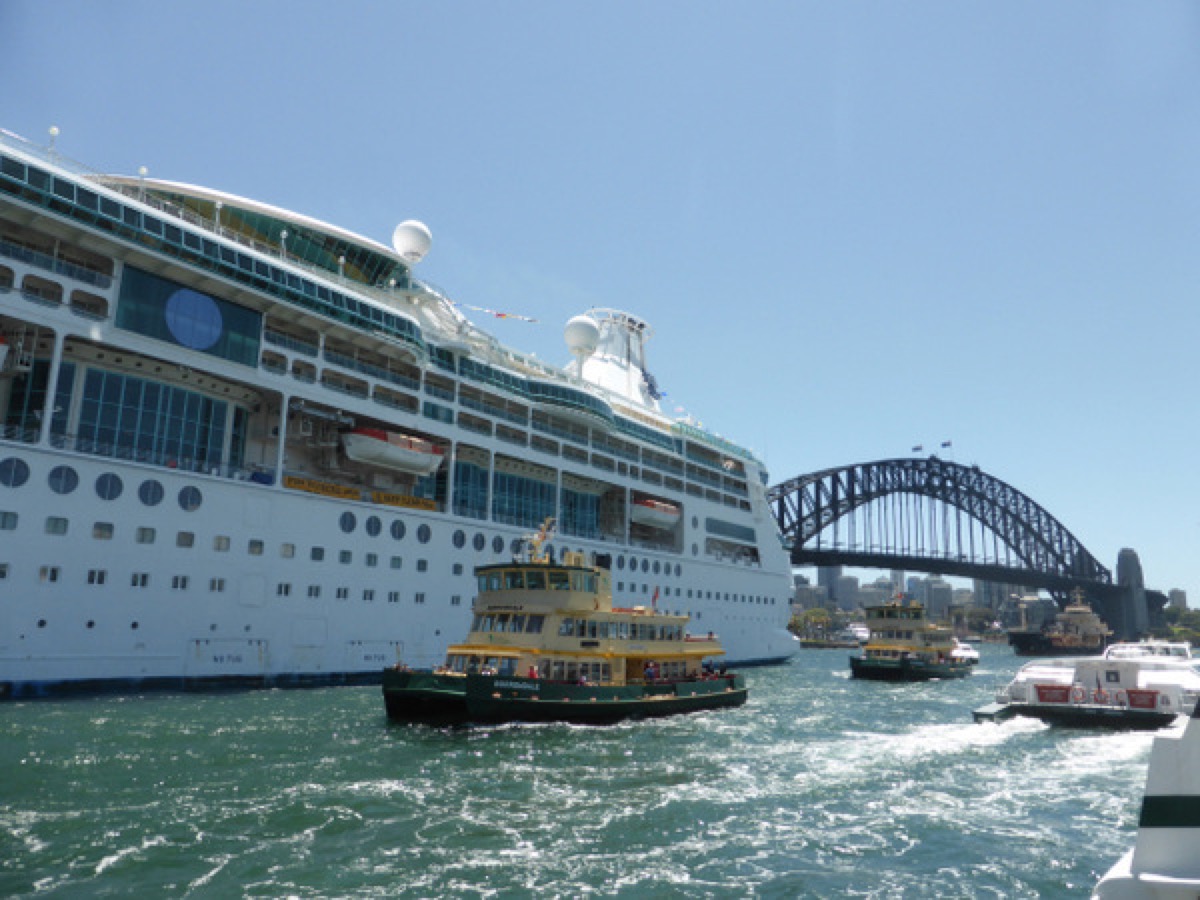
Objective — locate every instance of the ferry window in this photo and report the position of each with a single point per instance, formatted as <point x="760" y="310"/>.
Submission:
<point x="13" y="472"/>
<point x="535" y="581"/>
<point x="56" y="525"/>
<point x="179" y="583"/>
<point x="369" y="595"/>
<point x="393" y="596"/>
<point x="591" y="630"/>
<point x="456" y="569"/>
<point x="343" y="593"/>
<point x="347" y="522"/>
<point x="374" y="526"/>
<point x="420" y="597"/>
<point x="456" y="600"/>
<point x="558" y="581"/>
<point x="190" y="499"/>
<point x="645" y="565"/>
<point x="287" y="551"/>
<point x="535" y="624"/>
<point x="255" y="548"/>
<point x="695" y="550"/>
<point x="97" y="576"/>
<point x="398" y="530"/>
<point x="221" y="543"/>
<point x="497" y="544"/>
<point x="63" y="479"/>
<point x="460" y="539"/>
<point x="48" y="574"/>
<point x="478" y="542"/>
<point x="3" y="571"/>
<point x="345" y="557"/>
<point x="632" y="564"/>
<point x="150" y="492"/>
<point x="372" y="560"/>
<point x="145" y="535"/>
<point x="567" y="628"/>
<point x="102" y="531"/>
<point x="8" y="521"/>
<point x="422" y="565"/>
<point x="517" y="623"/>
<point x="216" y="585"/>
<point x="109" y="486"/>
<point x="501" y="624"/>
<point x="397" y="562"/>
<point x="513" y="580"/>
<point x="423" y="534"/>
<point x="656" y="567"/>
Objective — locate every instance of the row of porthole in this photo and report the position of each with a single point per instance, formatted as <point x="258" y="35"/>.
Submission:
<point x="14" y="473"/>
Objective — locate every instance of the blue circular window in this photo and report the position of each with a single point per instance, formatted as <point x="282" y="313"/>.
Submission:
<point x="347" y="522"/>
<point x="374" y="526"/>
<point x="63" y="479"/>
<point x="13" y="472"/>
<point x="460" y="539"/>
<point x="150" y="492"/>
<point x="109" y="486"/>
<point x="190" y="499"/>
<point x="423" y="534"/>
<point x="194" y="319"/>
<point x="398" y="530"/>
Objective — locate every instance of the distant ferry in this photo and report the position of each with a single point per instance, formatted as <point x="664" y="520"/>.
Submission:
<point x="905" y="646"/>
<point x="1076" y="631"/>
<point x="242" y="446"/>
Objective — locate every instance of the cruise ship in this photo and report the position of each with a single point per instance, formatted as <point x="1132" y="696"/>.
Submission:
<point x="242" y="446"/>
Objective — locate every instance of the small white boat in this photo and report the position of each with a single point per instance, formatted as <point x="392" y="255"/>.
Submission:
<point x="1164" y="863"/>
<point x="1125" y="688"/>
<point x="964" y="652"/>
<point x="392" y="450"/>
<point x="654" y="513"/>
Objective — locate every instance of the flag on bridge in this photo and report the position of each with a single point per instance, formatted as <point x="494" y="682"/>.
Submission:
<point x="947" y="443"/>
<point x="919" y="448"/>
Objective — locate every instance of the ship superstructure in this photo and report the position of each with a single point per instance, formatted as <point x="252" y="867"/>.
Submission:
<point x="239" y="444"/>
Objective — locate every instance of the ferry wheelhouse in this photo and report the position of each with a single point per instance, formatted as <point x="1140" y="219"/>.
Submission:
<point x="239" y="445"/>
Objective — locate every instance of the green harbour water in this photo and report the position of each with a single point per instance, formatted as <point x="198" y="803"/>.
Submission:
<point x="821" y="786"/>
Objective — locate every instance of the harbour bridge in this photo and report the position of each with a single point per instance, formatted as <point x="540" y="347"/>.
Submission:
<point x="936" y="516"/>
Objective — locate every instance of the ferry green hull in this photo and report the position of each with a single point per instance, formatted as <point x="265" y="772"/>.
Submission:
<point x="906" y="669"/>
<point x="422" y="696"/>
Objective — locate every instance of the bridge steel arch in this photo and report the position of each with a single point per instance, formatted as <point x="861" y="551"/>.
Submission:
<point x="1039" y="550"/>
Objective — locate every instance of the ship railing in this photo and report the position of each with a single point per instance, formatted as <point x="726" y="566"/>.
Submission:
<point x="75" y="444"/>
<point x="18" y="434"/>
<point x="45" y="261"/>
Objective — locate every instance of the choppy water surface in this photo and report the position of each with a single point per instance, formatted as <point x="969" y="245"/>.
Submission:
<point x="820" y="787"/>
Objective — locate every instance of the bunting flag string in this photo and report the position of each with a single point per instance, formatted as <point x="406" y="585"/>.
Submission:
<point x="494" y="312"/>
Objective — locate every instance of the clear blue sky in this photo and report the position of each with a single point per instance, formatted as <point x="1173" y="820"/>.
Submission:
<point x="856" y="227"/>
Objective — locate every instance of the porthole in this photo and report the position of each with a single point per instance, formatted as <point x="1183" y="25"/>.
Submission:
<point x="109" y="486"/>
<point x="190" y="498"/>
<point x="497" y="544"/>
<point x="398" y="530"/>
<point x="460" y="539"/>
<point x="678" y="570"/>
<point x="620" y="562"/>
<point x="63" y="479"/>
<point x="150" y="492"/>
<point x="374" y="526"/>
<point x="347" y="522"/>
<point x="13" y="472"/>
<point x="633" y="564"/>
<point x="479" y="542"/>
<point x="657" y="567"/>
<point x="424" y="534"/>
<point x="645" y="565"/>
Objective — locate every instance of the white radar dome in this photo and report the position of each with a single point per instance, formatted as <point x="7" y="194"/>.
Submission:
<point x="412" y="240"/>
<point x="583" y="336"/>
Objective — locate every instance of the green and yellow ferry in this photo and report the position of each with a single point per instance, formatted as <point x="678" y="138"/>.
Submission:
<point x="905" y="646"/>
<point x="546" y="645"/>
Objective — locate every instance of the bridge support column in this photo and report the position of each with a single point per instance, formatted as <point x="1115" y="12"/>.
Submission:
<point x="1134" y="614"/>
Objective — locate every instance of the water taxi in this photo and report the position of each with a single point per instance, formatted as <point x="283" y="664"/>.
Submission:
<point x="1134" y="686"/>
<point x="546" y="644"/>
<point x="905" y="646"/>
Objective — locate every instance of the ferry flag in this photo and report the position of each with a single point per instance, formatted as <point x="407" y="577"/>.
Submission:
<point x="918" y="448"/>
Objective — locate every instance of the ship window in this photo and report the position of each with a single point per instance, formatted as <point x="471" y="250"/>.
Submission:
<point x="63" y="479"/>
<point x="368" y="595"/>
<point x="145" y="535"/>
<point x="150" y="492"/>
<point x="140" y="580"/>
<point x="317" y="554"/>
<point x="102" y="531"/>
<point x="558" y="581"/>
<point x="179" y="582"/>
<point x="513" y="580"/>
<point x="420" y="597"/>
<point x="283" y="589"/>
<point x="656" y="567"/>
<point x="287" y="551"/>
<point x="48" y="574"/>
<point x="343" y="593"/>
<point x="398" y="530"/>
<point x="535" y="624"/>
<point x="185" y="539"/>
<point x="345" y="557"/>
<point x="535" y="581"/>
<point x="190" y="499"/>
<point x="374" y="526"/>
<point x="221" y="543"/>
<point x="489" y="582"/>
<point x="56" y="525"/>
<point x="456" y="600"/>
<point x="3" y="571"/>
<point x="393" y="596"/>
<point x="501" y="624"/>
<point x="8" y="520"/>
<point x="460" y="539"/>
<point x="422" y="565"/>
<point x="314" y="591"/>
<point x="216" y="585"/>
<point x="397" y="562"/>
<point x="97" y="576"/>
<point x="347" y="522"/>
<point x="108" y="486"/>
<point x="456" y="569"/>
<point x="255" y="547"/>
<point x="567" y="628"/>
<point x="423" y="534"/>
<point x="497" y="544"/>
<point x="372" y="560"/>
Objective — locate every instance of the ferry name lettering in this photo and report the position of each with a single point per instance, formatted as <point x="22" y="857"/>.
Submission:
<point x="517" y="686"/>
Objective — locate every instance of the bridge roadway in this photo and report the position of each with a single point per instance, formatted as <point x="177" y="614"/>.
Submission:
<point x="936" y="516"/>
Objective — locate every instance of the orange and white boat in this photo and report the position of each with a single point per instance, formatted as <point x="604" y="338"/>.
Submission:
<point x="392" y="450"/>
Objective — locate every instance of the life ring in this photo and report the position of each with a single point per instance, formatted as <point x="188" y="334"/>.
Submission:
<point x="1079" y="695"/>
<point x="1100" y="696"/>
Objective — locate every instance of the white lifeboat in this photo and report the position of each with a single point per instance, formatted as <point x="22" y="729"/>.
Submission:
<point x="654" y="513"/>
<point x="377" y="447"/>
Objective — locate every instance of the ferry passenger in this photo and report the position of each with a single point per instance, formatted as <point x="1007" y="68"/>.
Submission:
<point x="533" y="672"/>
